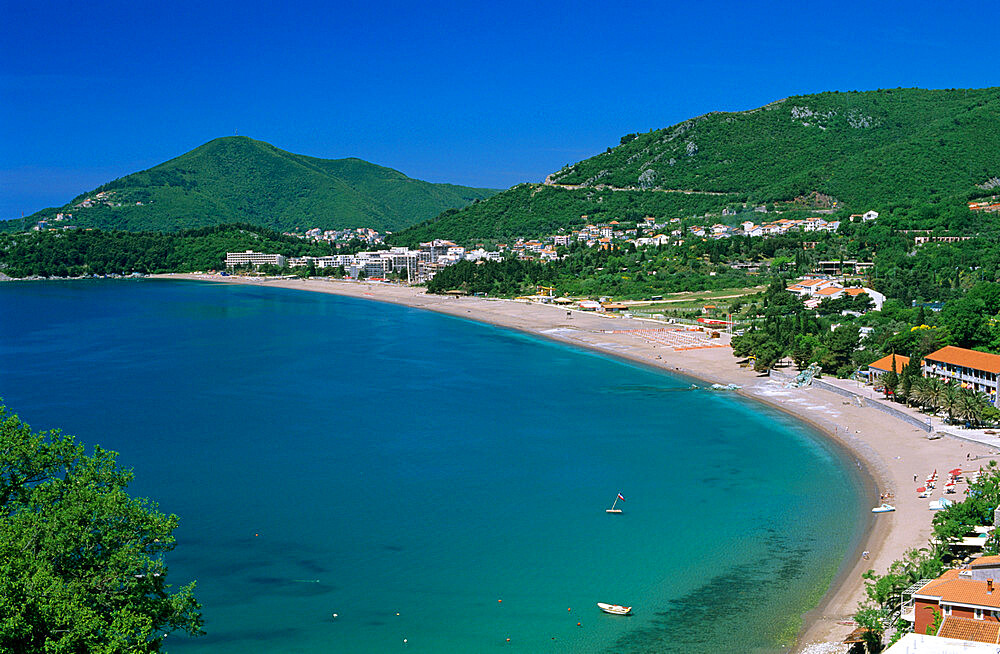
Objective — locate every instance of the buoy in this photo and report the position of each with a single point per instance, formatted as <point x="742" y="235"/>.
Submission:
<point x="508" y="640"/>
<point x="578" y="624"/>
<point x="397" y="612"/>
<point x="498" y="601"/>
<point x="569" y="609"/>
<point x="335" y="615"/>
<point x="404" y="640"/>
<point x="258" y="535"/>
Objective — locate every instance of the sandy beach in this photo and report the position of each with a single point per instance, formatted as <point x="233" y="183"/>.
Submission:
<point x="889" y="451"/>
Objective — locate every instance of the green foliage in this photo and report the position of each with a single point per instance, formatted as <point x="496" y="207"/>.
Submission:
<point x="81" y="561"/>
<point x="935" y="624"/>
<point x="237" y="179"/>
<point x="74" y="253"/>
<point x="862" y="148"/>
<point x="952" y="523"/>
<point x="872" y="619"/>
<point x="632" y="274"/>
<point x="533" y="210"/>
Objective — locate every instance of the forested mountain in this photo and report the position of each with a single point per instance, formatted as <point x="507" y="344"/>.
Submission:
<point x="238" y="179"/>
<point x="852" y="151"/>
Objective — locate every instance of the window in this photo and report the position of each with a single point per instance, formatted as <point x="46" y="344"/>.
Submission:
<point x="978" y="614"/>
<point x="946" y="609"/>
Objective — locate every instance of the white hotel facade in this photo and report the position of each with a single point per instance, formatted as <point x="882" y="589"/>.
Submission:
<point x="255" y="259"/>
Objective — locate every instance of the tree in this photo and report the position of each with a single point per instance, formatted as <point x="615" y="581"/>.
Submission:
<point x="905" y="384"/>
<point x="81" y="561"/>
<point x="841" y="344"/>
<point x="970" y="406"/>
<point x="767" y="355"/>
<point x="871" y="618"/>
<point x="890" y="380"/>
<point x="948" y="399"/>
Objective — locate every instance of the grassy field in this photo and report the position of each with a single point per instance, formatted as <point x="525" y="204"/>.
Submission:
<point x="687" y="301"/>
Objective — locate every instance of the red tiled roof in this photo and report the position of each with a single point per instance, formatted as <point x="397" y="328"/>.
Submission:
<point x="985" y="561"/>
<point x="885" y="363"/>
<point x="829" y="290"/>
<point x="855" y="291"/>
<point x="980" y="631"/>
<point x="959" y="356"/>
<point x="951" y="589"/>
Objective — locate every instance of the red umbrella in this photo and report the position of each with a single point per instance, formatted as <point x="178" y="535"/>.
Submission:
<point x="950" y="483"/>
<point x="956" y="471"/>
<point x="921" y="490"/>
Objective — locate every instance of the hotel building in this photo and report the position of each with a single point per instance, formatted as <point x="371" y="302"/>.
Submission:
<point x="969" y="368"/>
<point x="254" y="258"/>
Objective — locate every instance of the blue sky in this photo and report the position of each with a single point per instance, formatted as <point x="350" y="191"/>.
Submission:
<point x="468" y="93"/>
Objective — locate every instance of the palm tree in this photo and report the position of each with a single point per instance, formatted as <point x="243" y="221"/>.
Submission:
<point x="936" y="393"/>
<point x="950" y="399"/>
<point x="970" y="406"/>
<point x="920" y="391"/>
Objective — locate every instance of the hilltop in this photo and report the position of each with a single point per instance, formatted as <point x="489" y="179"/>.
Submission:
<point x="238" y="179"/>
<point x="832" y="150"/>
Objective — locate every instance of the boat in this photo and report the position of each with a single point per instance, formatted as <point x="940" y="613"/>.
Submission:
<point x="613" y="509"/>
<point x="615" y="609"/>
<point x="937" y="505"/>
<point x="884" y="508"/>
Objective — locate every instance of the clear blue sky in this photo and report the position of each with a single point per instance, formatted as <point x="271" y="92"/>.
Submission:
<point x="448" y="92"/>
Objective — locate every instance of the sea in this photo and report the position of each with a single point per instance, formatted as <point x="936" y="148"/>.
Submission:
<point x="352" y="476"/>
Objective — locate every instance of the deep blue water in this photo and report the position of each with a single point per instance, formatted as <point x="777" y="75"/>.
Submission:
<point x="330" y="455"/>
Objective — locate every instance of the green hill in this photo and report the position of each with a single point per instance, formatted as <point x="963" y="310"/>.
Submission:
<point x="238" y="179"/>
<point x="860" y="149"/>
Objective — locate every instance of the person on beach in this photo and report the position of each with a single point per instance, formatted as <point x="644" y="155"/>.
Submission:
<point x="864" y="555"/>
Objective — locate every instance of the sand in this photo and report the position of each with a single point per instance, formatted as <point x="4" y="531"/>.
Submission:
<point x="889" y="451"/>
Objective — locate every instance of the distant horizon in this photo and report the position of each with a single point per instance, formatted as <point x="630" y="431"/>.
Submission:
<point x="445" y="93"/>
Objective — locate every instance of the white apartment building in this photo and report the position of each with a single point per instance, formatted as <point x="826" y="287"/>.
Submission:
<point x="254" y="258"/>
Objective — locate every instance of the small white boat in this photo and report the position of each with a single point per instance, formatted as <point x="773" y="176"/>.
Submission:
<point x="614" y="609"/>
<point x="885" y="508"/>
<point x="615" y="503"/>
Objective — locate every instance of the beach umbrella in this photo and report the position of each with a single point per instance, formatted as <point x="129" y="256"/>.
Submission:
<point x="950" y="483"/>
<point x="922" y="489"/>
<point x="956" y="472"/>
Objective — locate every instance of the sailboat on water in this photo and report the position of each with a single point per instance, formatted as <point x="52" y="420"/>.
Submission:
<point x="613" y="509"/>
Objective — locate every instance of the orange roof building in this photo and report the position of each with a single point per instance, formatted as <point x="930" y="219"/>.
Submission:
<point x="884" y="364"/>
<point x="967" y="603"/>
<point x="967" y="368"/>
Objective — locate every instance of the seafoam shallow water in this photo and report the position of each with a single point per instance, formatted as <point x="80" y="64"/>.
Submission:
<point x="328" y="455"/>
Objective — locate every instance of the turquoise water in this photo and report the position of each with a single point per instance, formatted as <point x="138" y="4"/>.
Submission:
<point x="329" y="455"/>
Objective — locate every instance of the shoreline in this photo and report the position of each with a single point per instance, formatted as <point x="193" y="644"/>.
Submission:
<point x="876" y="441"/>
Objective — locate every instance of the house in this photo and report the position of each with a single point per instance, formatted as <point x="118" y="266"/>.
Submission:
<point x="965" y="603"/>
<point x="809" y="286"/>
<point x="968" y="368"/>
<point x="894" y="362"/>
<point x="830" y="293"/>
<point x="869" y="216"/>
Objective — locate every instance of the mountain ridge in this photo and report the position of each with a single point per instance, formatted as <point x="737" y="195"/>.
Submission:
<point x="239" y="179"/>
<point x="860" y="149"/>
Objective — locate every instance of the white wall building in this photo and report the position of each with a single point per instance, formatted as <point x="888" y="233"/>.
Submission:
<point x="254" y="258"/>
